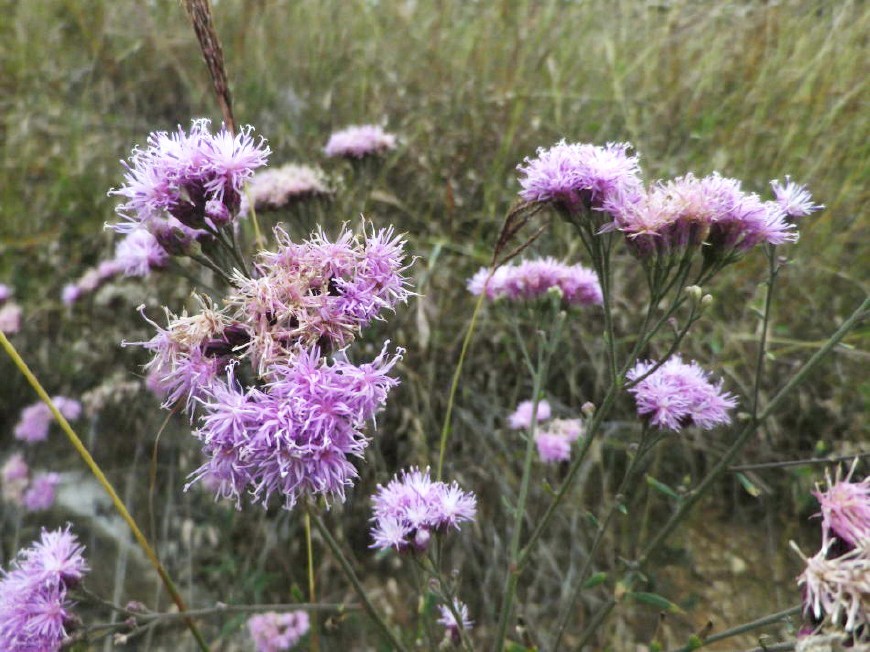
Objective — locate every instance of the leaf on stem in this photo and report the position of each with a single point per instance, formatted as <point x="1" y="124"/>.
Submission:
<point x="662" y="488"/>
<point x="657" y="601"/>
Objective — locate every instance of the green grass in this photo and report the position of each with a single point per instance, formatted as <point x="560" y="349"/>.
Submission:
<point x="754" y="90"/>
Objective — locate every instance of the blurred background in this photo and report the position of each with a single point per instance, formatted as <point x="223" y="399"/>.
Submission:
<point x="754" y="89"/>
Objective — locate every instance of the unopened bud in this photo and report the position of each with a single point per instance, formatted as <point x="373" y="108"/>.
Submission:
<point x="707" y="301"/>
<point x="694" y="292"/>
<point x="588" y="409"/>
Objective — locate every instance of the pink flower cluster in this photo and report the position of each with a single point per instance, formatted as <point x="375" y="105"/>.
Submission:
<point x="276" y="187"/>
<point x="33" y="494"/>
<point x="35" y="612"/>
<point x="554" y="440"/>
<point x="532" y="279"/>
<point x="845" y="510"/>
<point x="277" y="632"/>
<point x="35" y="419"/>
<point x="521" y="419"/>
<point x="359" y="141"/>
<point x="677" y="395"/>
<point x="412" y="507"/>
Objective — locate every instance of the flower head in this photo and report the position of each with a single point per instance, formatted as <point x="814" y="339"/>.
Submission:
<point x="5" y="293"/>
<point x="14" y="478"/>
<point x="532" y="279"/>
<point x="35" y="419"/>
<point x="34" y="608"/>
<point x="794" y="199"/>
<point x="575" y="175"/>
<point x="40" y="494"/>
<point x="555" y="440"/>
<point x="359" y="141"/>
<point x="277" y="632"/>
<point x="522" y="417"/>
<point x="845" y="510"/>
<point x="138" y="253"/>
<point x="452" y="626"/>
<point x="412" y="507"/>
<point x="277" y="187"/>
<point x="677" y="395"/>
<point x="10" y="318"/>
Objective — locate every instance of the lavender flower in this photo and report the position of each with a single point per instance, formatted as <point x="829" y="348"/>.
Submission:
<point x="838" y="588"/>
<point x="40" y="494"/>
<point x="138" y="253"/>
<point x="845" y="510"/>
<point x="579" y="175"/>
<point x="14" y="478"/>
<point x="532" y="279"/>
<point x="70" y="294"/>
<point x="185" y="181"/>
<point x="10" y="318"/>
<point x="452" y="627"/>
<point x="359" y="141"/>
<point x="794" y="199"/>
<point x="277" y="187"/>
<point x="5" y="293"/>
<point x="35" y="419"/>
<point x="411" y="508"/>
<point x="677" y="395"/>
<point x="276" y="632"/>
<point x="554" y="442"/>
<point x="522" y="417"/>
<point x="34" y="608"/>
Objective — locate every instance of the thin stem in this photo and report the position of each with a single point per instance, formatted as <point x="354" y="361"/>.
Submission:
<point x="358" y="588"/>
<point x="454" y="385"/>
<point x="247" y="609"/>
<point x="773" y="270"/>
<point x="804" y="462"/>
<point x="210" y="264"/>
<point x="602" y="613"/>
<point x="312" y="588"/>
<point x="107" y="486"/>
<point x="742" y="629"/>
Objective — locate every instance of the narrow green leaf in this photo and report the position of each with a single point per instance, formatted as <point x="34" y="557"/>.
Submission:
<point x="751" y="489"/>
<point x="657" y="601"/>
<point x="662" y="487"/>
<point x="595" y="580"/>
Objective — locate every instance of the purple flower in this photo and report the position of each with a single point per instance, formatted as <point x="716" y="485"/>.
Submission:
<point x="532" y="279"/>
<point x="677" y="395"/>
<point x="359" y="141"/>
<point x="794" y="199"/>
<point x="413" y="507"/>
<point x="35" y="419"/>
<point x="276" y="632"/>
<point x="34" y="608"/>
<point x="278" y="187"/>
<point x="299" y="435"/>
<point x="10" y="318"/>
<point x="845" y="510"/>
<point x="5" y="293"/>
<point x="522" y="417"/>
<point x="554" y="442"/>
<point x="70" y="294"/>
<point x="452" y="627"/>
<point x="138" y="253"/>
<point x="575" y="175"/>
<point x="40" y="494"/>
<point x="14" y="478"/>
<point x="178" y="174"/>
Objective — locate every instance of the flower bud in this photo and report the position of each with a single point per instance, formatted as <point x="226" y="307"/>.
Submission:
<point x="706" y="300"/>
<point x="588" y="409"/>
<point x="694" y="292"/>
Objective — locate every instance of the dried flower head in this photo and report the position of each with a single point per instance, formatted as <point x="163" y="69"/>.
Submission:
<point x="413" y="507"/>
<point x="277" y="632"/>
<point x="359" y="141"/>
<point x="677" y="395"/>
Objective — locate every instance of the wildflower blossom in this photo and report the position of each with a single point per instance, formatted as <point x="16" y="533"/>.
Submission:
<point x="575" y="175"/>
<point x="70" y="294"/>
<point x="36" y="418"/>
<point x="10" y="318"/>
<point x="794" y="199"/>
<point x="359" y="141"/>
<point x="138" y="253"/>
<point x="554" y="442"/>
<point x="532" y="279"/>
<point x="845" y="510"/>
<point x="677" y="395"/>
<point x="5" y="293"/>
<point x="276" y="632"/>
<point x="522" y="416"/>
<point x="296" y="437"/>
<point x="838" y="588"/>
<point x="35" y="612"/>
<point x="413" y="507"/>
<point x="277" y="187"/>
<point x="179" y="175"/>
<point x="14" y="478"/>
<point x="452" y="627"/>
<point x="41" y="492"/>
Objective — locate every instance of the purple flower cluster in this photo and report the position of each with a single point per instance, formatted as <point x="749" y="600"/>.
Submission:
<point x="453" y="628"/>
<point x="677" y="395"/>
<point x="532" y="279"/>
<point x="579" y="175"/>
<point x="277" y="187"/>
<point x="554" y="441"/>
<point x="359" y="141"/>
<point x="521" y="419"/>
<point x="298" y="434"/>
<point x="18" y="488"/>
<point x="413" y="507"/>
<point x="34" y="607"/>
<point x="689" y="212"/>
<point x="35" y="419"/>
<point x="277" y="632"/>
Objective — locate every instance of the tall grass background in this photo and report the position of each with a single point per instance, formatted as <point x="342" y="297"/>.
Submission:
<point x="755" y="90"/>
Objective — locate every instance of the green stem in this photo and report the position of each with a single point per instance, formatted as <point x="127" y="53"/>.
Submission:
<point x="357" y="586"/>
<point x="741" y="629"/>
<point x="312" y="587"/>
<point x="773" y="270"/>
<point x="602" y="613"/>
<point x="107" y="486"/>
